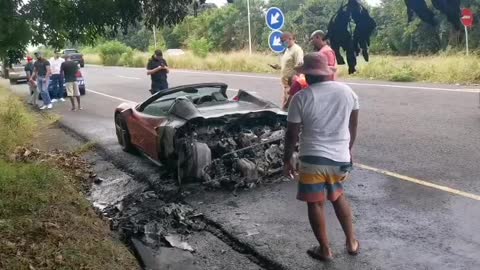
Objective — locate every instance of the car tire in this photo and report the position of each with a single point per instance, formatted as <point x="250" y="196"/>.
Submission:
<point x="192" y="160"/>
<point x="13" y="81"/>
<point x="123" y="135"/>
<point x="82" y="65"/>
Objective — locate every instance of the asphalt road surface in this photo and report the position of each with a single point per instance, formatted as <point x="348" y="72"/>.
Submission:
<point x="415" y="192"/>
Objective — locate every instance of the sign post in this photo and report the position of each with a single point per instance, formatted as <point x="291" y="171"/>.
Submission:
<point x="249" y="28"/>
<point x="275" y="20"/>
<point x="467" y="20"/>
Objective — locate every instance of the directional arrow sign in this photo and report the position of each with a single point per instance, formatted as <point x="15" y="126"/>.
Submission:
<point x="275" y="42"/>
<point x="275" y="18"/>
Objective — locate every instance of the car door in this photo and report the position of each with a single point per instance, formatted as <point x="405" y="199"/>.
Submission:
<point x="144" y="123"/>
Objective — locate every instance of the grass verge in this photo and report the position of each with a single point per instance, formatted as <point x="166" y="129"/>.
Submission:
<point x="449" y="69"/>
<point x="45" y="221"/>
<point x="235" y="61"/>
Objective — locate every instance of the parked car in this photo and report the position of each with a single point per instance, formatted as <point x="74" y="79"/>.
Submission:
<point x="199" y="132"/>
<point x="75" y="55"/>
<point x="17" y="72"/>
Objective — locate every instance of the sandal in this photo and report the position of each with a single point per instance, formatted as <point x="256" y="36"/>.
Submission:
<point x="354" y="252"/>
<point x="315" y="253"/>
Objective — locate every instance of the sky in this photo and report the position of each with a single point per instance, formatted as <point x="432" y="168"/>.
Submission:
<point x="223" y="2"/>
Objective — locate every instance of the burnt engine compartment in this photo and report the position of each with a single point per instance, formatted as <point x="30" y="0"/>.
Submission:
<point x="245" y="149"/>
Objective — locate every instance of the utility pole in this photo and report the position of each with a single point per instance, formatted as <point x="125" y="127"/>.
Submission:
<point x="154" y="36"/>
<point x="249" y="28"/>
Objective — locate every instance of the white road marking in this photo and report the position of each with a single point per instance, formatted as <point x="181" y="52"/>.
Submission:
<point x="421" y="182"/>
<point x="109" y="96"/>
<point x="126" y="77"/>
<point x="417" y="87"/>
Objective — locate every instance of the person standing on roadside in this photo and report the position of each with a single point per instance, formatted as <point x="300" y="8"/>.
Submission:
<point x="157" y="68"/>
<point x="31" y="83"/>
<point x="56" y="78"/>
<point x="41" y="74"/>
<point x="317" y="38"/>
<point x="292" y="58"/>
<point x="326" y="113"/>
<point x="69" y="70"/>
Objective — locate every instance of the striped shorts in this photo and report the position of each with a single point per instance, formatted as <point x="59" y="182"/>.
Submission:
<point x="321" y="179"/>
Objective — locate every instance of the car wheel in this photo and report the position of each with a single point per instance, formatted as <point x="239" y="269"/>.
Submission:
<point x="82" y="65"/>
<point x="193" y="158"/>
<point x="123" y="136"/>
<point x="13" y="81"/>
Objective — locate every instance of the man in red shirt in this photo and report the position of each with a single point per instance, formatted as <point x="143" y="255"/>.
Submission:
<point x="321" y="45"/>
<point x="298" y="83"/>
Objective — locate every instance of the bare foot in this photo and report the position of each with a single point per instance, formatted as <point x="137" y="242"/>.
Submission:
<point x="353" y="247"/>
<point x="320" y="253"/>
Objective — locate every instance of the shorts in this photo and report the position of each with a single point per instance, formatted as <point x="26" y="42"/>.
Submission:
<point x="72" y="89"/>
<point x="321" y="179"/>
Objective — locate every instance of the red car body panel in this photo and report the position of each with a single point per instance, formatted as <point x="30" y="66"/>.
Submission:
<point x="143" y="132"/>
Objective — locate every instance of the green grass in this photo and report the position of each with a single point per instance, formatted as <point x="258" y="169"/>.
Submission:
<point x="449" y="69"/>
<point x="85" y="148"/>
<point x="45" y="221"/>
<point x="47" y="224"/>
<point x="17" y="126"/>
<point x="235" y="61"/>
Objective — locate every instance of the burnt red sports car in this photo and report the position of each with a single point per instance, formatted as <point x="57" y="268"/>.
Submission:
<point x="202" y="134"/>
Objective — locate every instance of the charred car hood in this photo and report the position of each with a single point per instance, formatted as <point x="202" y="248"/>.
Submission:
<point x="186" y="110"/>
<point x="239" y="107"/>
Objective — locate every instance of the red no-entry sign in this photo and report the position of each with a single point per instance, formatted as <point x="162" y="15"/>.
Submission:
<point x="467" y="17"/>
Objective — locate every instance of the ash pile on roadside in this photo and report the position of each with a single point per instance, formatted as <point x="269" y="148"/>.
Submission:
<point x="149" y="218"/>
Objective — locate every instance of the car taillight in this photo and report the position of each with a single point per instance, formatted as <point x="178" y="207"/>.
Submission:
<point x="78" y="74"/>
<point x="236" y="98"/>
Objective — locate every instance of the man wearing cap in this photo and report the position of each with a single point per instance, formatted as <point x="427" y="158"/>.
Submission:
<point x="327" y="115"/>
<point x="292" y="58"/>
<point x="56" y="78"/>
<point x="42" y="73"/>
<point x="157" y="68"/>
<point x="321" y="45"/>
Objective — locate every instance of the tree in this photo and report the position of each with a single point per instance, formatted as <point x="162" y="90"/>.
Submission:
<point x="137" y="36"/>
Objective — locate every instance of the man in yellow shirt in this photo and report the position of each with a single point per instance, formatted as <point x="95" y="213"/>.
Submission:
<point x="292" y="58"/>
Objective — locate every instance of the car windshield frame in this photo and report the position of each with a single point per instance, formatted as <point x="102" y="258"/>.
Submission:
<point x="179" y="92"/>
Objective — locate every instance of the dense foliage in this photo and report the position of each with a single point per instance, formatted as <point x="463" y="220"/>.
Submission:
<point x="226" y="28"/>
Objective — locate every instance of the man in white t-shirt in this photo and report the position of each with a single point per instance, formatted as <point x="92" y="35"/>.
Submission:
<point x="57" y="78"/>
<point x="325" y="117"/>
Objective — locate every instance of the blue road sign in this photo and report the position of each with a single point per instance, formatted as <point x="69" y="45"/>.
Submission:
<point x="275" y="42"/>
<point x="275" y="18"/>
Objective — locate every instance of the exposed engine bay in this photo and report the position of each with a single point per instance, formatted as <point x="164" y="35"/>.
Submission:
<point x="232" y="151"/>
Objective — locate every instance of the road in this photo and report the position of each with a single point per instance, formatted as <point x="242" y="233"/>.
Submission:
<point x="415" y="194"/>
